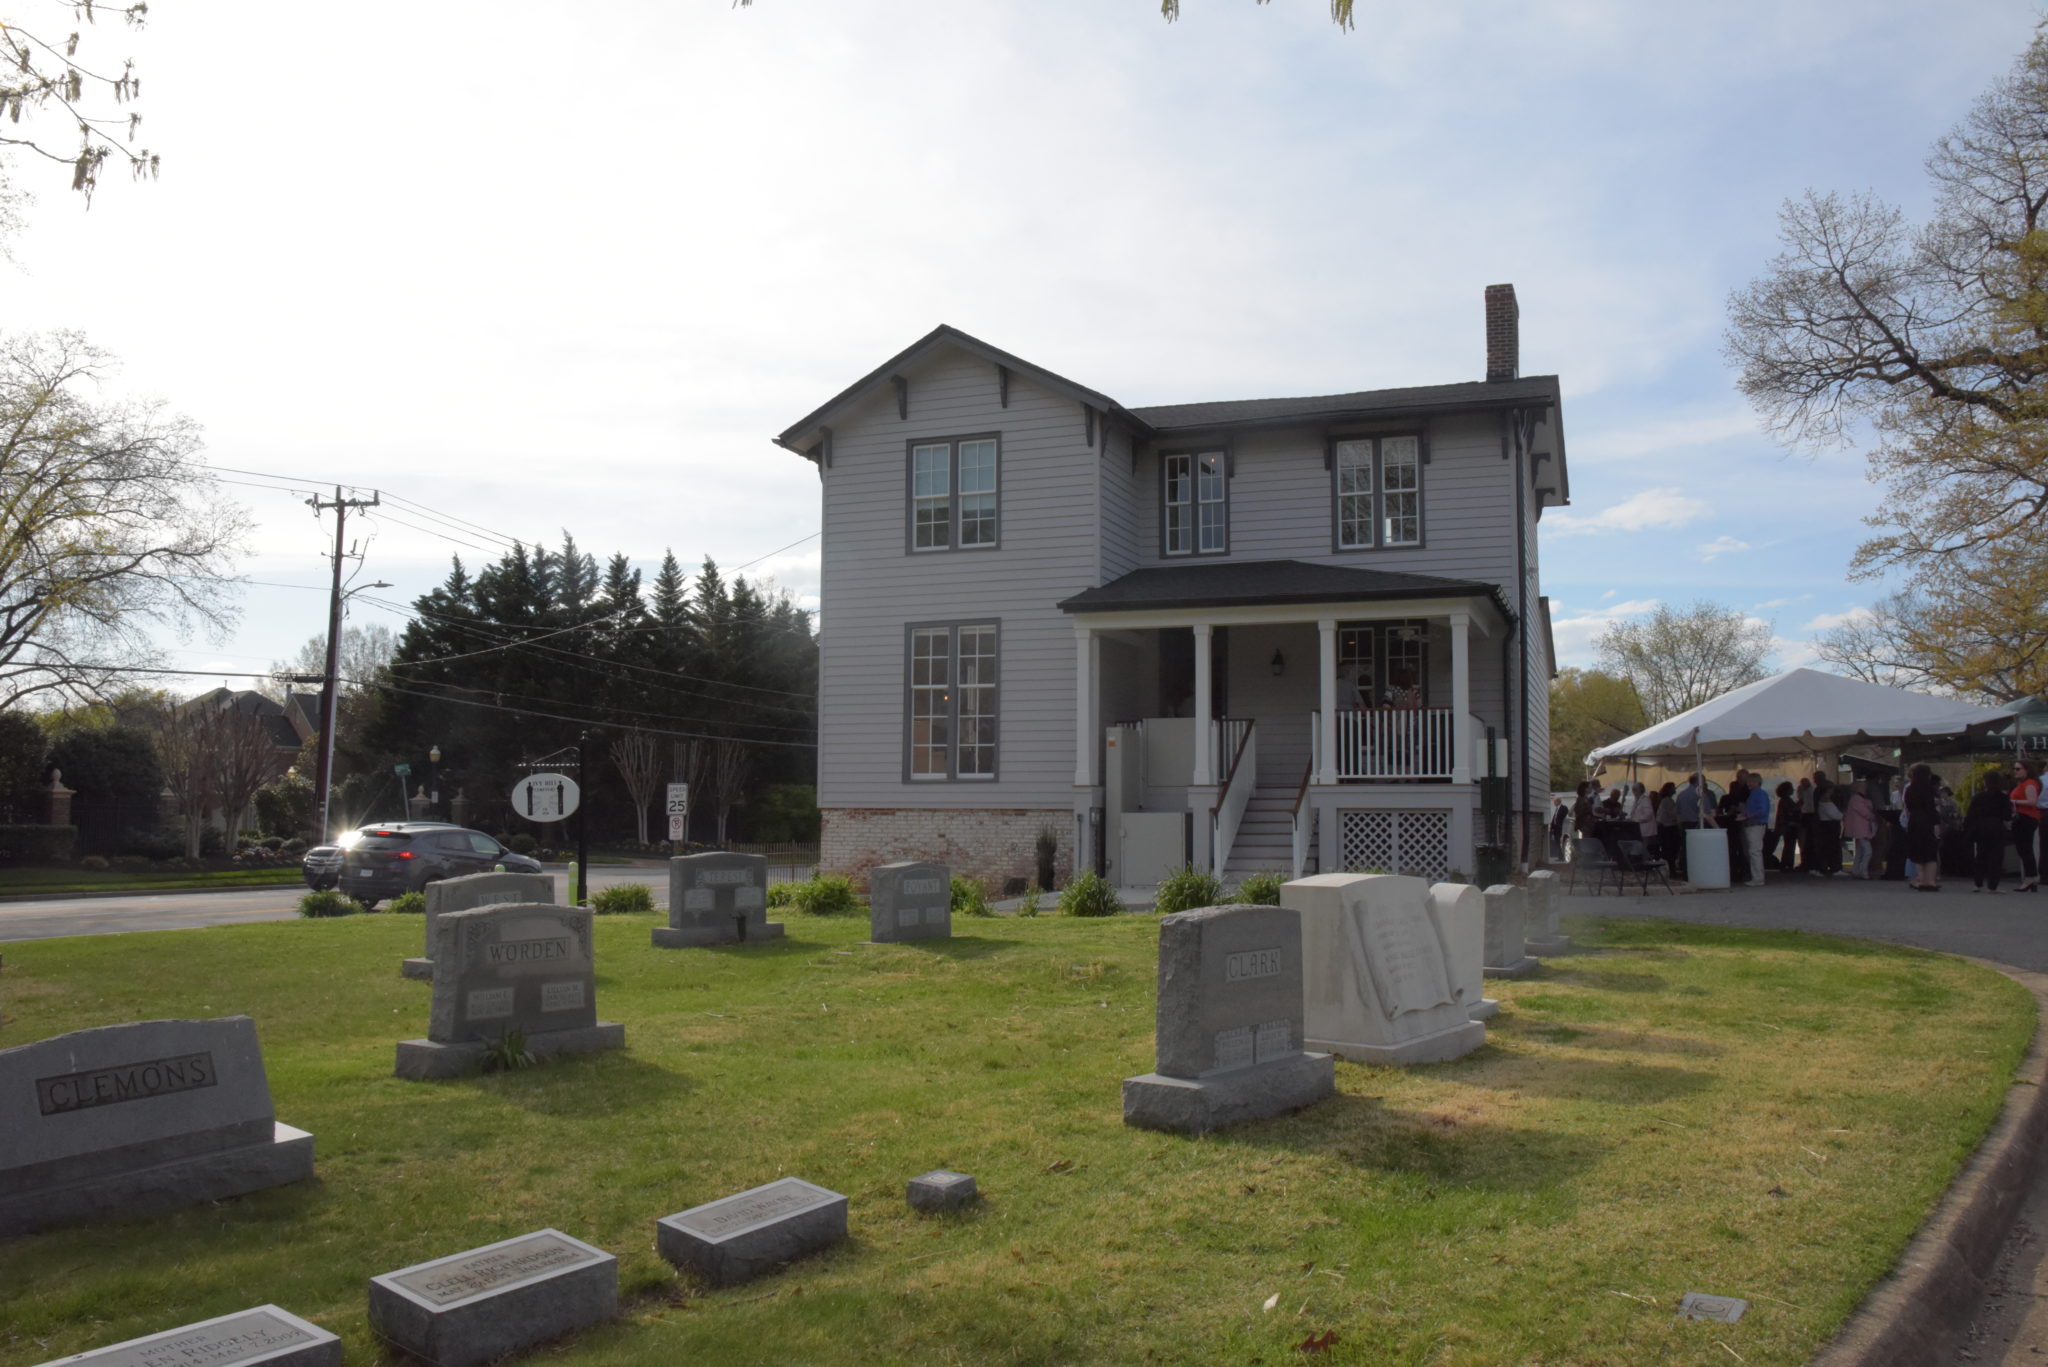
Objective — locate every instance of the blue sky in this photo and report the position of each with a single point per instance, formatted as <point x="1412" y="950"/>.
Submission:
<point x="549" y="266"/>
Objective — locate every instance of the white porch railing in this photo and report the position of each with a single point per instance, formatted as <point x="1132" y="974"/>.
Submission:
<point x="1304" y="822"/>
<point x="1395" y="742"/>
<point x="1240" y="766"/>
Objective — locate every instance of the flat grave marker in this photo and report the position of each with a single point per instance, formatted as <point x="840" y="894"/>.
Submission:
<point x="940" y="1190"/>
<point x="716" y="899"/>
<point x="737" y="1238"/>
<point x="910" y="900"/>
<point x="1696" y="1305"/>
<point x="261" y="1337"/>
<point x="474" y="890"/>
<point x="472" y="1307"/>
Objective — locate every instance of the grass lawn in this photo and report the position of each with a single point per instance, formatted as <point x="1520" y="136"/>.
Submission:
<point x="86" y="880"/>
<point x="1694" y="1109"/>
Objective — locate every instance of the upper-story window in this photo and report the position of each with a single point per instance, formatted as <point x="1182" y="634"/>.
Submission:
<point x="1196" y="503"/>
<point x="1378" y="491"/>
<point x="953" y="493"/>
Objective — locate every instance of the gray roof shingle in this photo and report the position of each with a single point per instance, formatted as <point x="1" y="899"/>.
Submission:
<point x="1244" y="583"/>
<point x="1230" y="412"/>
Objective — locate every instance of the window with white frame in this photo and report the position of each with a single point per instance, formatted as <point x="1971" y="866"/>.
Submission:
<point x="1378" y="491"/>
<point x="1196" y="503"/>
<point x="953" y="493"/>
<point x="952" y="702"/>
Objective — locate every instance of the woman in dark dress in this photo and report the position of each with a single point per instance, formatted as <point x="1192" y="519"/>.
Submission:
<point x="1828" y="796"/>
<point x="1923" y="835"/>
<point x="1733" y="803"/>
<point x="1990" y="812"/>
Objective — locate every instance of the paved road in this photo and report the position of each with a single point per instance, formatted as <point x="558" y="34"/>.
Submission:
<point x="2011" y="928"/>
<point x="55" y="917"/>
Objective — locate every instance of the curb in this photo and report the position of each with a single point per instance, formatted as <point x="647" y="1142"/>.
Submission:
<point x="7" y="897"/>
<point x="1919" y="1315"/>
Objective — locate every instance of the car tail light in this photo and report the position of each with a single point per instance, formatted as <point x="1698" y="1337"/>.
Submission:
<point x="405" y="854"/>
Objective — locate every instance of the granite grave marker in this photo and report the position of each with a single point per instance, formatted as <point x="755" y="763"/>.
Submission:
<point x="526" y="968"/>
<point x="474" y="890"/>
<point x="1379" y="986"/>
<point x="263" y="1337"/>
<point x="716" y="899"/>
<point x="1460" y="912"/>
<point x="910" y="900"/>
<point x="1541" y="936"/>
<point x="940" y="1190"/>
<point x="1507" y="920"/>
<point x="472" y="1307"/>
<point x="1229" y="1024"/>
<point x="737" y="1238"/>
<point x="149" y="1116"/>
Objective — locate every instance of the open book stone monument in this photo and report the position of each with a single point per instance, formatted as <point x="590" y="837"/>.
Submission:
<point x="1507" y="910"/>
<point x="475" y="890"/>
<point x="1541" y="934"/>
<point x="1460" y="911"/>
<point x="1229" y="1033"/>
<point x="128" y="1119"/>
<point x="910" y="901"/>
<point x="716" y="899"/>
<point x="476" y="1307"/>
<point x="263" y="1337"/>
<point x="1379" y="986"/>
<point x="524" y="968"/>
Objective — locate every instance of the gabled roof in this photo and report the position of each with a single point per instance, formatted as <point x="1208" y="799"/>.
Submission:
<point x="1209" y="417"/>
<point x="802" y="436"/>
<point x="1258" y="583"/>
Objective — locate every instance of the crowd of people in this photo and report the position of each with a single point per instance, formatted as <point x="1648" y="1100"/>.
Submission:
<point x="1912" y="828"/>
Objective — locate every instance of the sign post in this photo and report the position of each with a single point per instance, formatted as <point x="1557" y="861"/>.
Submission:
<point x="679" y="812"/>
<point x="582" y="825"/>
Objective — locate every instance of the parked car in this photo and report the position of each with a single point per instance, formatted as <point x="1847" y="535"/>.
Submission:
<point x="382" y="861"/>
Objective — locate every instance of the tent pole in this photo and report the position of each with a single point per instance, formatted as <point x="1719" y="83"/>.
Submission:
<point x="1699" y="766"/>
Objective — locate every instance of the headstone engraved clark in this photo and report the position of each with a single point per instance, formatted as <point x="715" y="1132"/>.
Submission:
<point x="1460" y="912"/>
<point x="1507" y="920"/>
<point x="472" y="1307"/>
<point x="1378" y="987"/>
<point x="1542" y="935"/>
<point x="125" y="1119"/>
<point x="738" y="1238"/>
<point x="263" y="1337"/>
<point x="474" y="890"/>
<point x="1229" y="1035"/>
<point x="716" y="899"/>
<point x="910" y="901"/>
<point x="498" y="969"/>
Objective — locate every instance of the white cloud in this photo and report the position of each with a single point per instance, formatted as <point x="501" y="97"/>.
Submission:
<point x="1607" y="595"/>
<point x="1640" y="441"/>
<point x="1782" y="602"/>
<point x="1722" y="545"/>
<point x="1573" y="635"/>
<point x="1828" y="621"/>
<point x="1651" y="509"/>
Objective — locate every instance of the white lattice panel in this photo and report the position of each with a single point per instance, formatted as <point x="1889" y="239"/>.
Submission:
<point x="1414" y="843"/>
<point x="1368" y="841"/>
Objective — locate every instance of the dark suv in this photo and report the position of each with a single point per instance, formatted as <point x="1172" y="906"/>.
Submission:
<point x="404" y="856"/>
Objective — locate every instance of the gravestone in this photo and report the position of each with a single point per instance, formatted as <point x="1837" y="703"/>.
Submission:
<point x="1229" y="1024"/>
<point x="127" y="1119"/>
<point x="910" y="901"/>
<point x="524" y="968"/>
<point x="1379" y="985"/>
<point x="1541" y="936"/>
<point x="474" y="890"/>
<point x="738" y="1238"/>
<point x="1460" y="912"/>
<point x="716" y="899"/>
<point x="472" y="1307"/>
<point x="940" y="1190"/>
<point x="1507" y="919"/>
<point x="263" y="1337"/>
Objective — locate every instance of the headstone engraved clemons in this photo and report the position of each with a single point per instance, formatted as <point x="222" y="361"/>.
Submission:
<point x="472" y="1307"/>
<point x="125" y="1119"/>
<point x="910" y="900"/>
<point x="474" y="890"/>
<point x="716" y="899"/>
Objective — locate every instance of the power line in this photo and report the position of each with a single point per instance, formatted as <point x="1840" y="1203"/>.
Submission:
<point x="581" y="721"/>
<point x="616" y="710"/>
<point x="778" y="551"/>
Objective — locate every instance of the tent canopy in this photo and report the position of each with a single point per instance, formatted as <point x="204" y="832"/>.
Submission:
<point x="1802" y="709"/>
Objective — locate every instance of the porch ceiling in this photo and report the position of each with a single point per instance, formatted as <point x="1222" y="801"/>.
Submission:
<point x="1268" y="583"/>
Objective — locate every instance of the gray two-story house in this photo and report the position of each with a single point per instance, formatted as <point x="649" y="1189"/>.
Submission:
<point x="1287" y="634"/>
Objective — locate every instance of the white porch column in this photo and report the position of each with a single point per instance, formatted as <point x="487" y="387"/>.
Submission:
<point x="1461" y="698"/>
<point x="1087" y="705"/>
<point x="1326" y="747"/>
<point x="1205" y="703"/>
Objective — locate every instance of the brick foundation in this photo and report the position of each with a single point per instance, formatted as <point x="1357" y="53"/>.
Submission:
<point x="992" y="845"/>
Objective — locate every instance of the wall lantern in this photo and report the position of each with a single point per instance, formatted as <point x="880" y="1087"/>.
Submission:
<point x="1279" y="665"/>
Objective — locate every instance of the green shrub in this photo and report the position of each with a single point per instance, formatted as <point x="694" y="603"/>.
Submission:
<point x="522" y="844"/>
<point x="1186" y="888"/>
<point x="1090" y="895"/>
<point x="782" y="895"/>
<point x="329" y="904"/>
<point x="828" y="894"/>
<point x="294" y="846"/>
<point x="970" y="898"/>
<point x="1261" y="889"/>
<point x="1047" y="850"/>
<point x="94" y="863"/>
<point x="38" y="844"/>
<point x="408" y="904"/>
<point x="1029" y="906"/>
<point x="507" y="1053"/>
<point x="129" y="863"/>
<point x="622" y="898"/>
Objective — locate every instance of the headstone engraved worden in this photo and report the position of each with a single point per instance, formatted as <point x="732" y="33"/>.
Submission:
<point x="128" y="1119"/>
<point x="263" y="1337"/>
<point x="740" y="1237"/>
<point x="474" y="890"/>
<point x="1378" y="987"/>
<point x="1229" y="1035"/>
<point x="500" y="969"/>
<point x="1507" y="921"/>
<point x="472" y="1307"/>
<point x="716" y="899"/>
<point x="910" y="901"/>
<point x="1460" y="912"/>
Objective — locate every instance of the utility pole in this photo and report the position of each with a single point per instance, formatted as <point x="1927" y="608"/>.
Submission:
<point x="324" y="780"/>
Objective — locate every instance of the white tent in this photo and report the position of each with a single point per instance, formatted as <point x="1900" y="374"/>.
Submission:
<point x="1803" y="709"/>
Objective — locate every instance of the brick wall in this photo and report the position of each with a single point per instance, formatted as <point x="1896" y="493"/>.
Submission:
<point x="994" y="845"/>
<point x="1503" y="333"/>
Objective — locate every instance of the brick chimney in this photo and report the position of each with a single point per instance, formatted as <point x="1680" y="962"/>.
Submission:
<point x="1503" y="333"/>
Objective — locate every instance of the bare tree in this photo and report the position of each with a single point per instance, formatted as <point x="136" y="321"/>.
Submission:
<point x="1677" y="660"/>
<point x="244" y="759"/>
<point x="638" y="758"/>
<point x="41" y="74"/>
<point x="365" y="651"/>
<point x="1907" y="640"/>
<point x="187" y="759"/>
<point x="732" y="764"/>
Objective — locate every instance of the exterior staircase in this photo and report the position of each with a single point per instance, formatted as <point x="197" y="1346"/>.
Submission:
<point x="1265" y="839"/>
